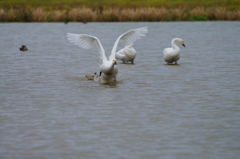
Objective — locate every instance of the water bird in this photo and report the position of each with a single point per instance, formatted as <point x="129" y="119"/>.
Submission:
<point x="89" y="77"/>
<point x="23" y="48"/>
<point x="173" y="54"/>
<point x="128" y="53"/>
<point x="108" y="67"/>
<point x="97" y="78"/>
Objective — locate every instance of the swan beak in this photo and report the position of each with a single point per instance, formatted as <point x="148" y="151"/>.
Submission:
<point x="115" y="62"/>
<point x="183" y="44"/>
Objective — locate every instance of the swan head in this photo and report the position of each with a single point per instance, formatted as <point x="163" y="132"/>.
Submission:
<point x="183" y="43"/>
<point x="115" y="62"/>
<point x="180" y="41"/>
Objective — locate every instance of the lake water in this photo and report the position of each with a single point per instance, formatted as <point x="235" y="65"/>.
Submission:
<point x="190" y="110"/>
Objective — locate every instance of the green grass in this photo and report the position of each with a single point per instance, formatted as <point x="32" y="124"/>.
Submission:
<point x="199" y="18"/>
<point x="95" y="4"/>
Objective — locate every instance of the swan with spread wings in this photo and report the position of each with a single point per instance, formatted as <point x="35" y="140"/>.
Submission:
<point x="108" y="68"/>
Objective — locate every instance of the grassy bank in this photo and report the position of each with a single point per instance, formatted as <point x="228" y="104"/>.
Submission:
<point x="117" y="10"/>
<point x="106" y="4"/>
<point x="117" y="15"/>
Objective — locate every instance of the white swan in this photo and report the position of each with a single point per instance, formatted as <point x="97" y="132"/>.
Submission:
<point x="108" y="67"/>
<point x="128" y="53"/>
<point x="173" y="54"/>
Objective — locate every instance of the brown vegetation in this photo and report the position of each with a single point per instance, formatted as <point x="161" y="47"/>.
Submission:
<point x="38" y="15"/>
<point x="116" y="14"/>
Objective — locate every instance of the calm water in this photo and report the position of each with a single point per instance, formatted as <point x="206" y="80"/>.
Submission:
<point x="154" y="110"/>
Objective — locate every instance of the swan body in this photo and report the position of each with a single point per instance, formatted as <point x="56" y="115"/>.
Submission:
<point x="108" y="68"/>
<point x="127" y="54"/>
<point x="173" y="54"/>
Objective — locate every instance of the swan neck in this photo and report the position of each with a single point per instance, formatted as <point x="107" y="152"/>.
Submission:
<point x="112" y="67"/>
<point x="115" y="48"/>
<point x="174" y="45"/>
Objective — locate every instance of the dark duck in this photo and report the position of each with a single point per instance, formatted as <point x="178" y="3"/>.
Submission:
<point x="23" y="48"/>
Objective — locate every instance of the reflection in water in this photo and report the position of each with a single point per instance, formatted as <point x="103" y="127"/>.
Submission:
<point x="171" y="64"/>
<point x="110" y="84"/>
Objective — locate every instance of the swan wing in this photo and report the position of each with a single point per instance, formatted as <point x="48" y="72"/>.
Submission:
<point x="129" y="37"/>
<point x="132" y="35"/>
<point x="86" y="41"/>
<point x="167" y="51"/>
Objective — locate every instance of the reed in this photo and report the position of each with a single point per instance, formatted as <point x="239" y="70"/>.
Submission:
<point x="178" y="14"/>
<point x="128" y="15"/>
<point x="109" y="15"/>
<point x="235" y="15"/>
<point x="39" y="15"/>
<point x="198" y="11"/>
<point x="82" y="15"/>
<point x="9" y="15"/>
<point x="199" y="14"/>
<point x="57" y="16"/>
<point x="220" y="13"/>
<point x="150" y="14"/>
<point x="162" y="14"/>
<point x="85" y="14"/>
<point x="3" y="15"/>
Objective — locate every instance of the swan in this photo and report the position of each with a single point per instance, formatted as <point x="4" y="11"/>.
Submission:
<point x="128" y="53"/>
<point x="173" y="54"/>
<point x="108" y="68"/>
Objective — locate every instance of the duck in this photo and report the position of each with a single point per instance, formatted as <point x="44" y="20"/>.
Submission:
<point x="173" y="54"/>
<point x="108" y="68"/>
<point x="23" y="48"/>
<point x="89" y="77"/>
<point x="97" y="78"/>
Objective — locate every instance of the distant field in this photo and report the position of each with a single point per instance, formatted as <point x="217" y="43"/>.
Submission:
<point x="118" y="10"/>
<point x="65" y="4"/>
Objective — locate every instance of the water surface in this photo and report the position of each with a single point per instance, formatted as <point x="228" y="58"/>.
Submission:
<point x="190" y="110"/>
